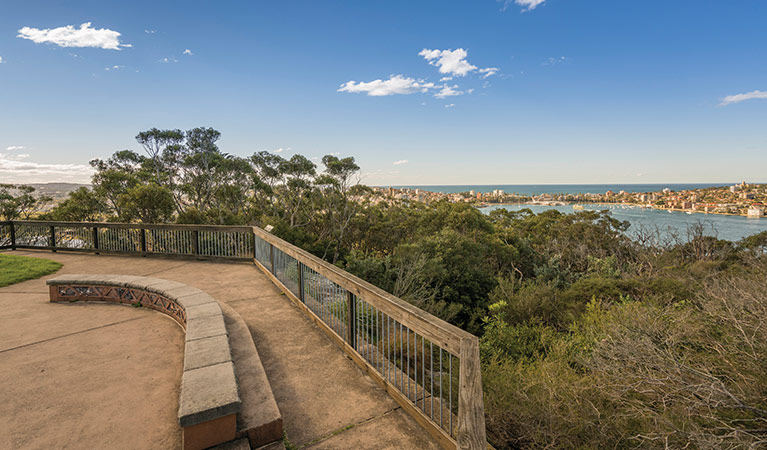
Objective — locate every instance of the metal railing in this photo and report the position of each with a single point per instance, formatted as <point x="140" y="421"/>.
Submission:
<point x="430" y="367"/>
<point x="190" y="241"/>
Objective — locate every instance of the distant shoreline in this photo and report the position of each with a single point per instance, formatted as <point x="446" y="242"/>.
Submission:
<point x="616" y="204"/>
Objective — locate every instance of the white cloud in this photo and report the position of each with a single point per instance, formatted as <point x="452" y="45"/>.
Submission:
<point x="69" y="36"/>
<point x="396" y="84"/>
<point x="1" y="59"/>
<point x="150" y="31"/>
<point x="14" y="148"/>
<point x="737" y="98"/>
<point x="448" y="91"/>
<point x="13" y="170"/>
<point x="281" y="149"/>
<point x="400" y="162"/>
<point x="554" y="61"/>
<point x="450" y="105"/>
<point x="115" y="67"/>
<point x="527" y="5"/>
<point x="188" y="52"/>
<point x="451" y="62"/>
<point x="488" y="72"/>
<point x="445" y="78"/>
<point x="169" y="60"/>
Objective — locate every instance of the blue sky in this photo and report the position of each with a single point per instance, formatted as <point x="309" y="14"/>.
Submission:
<point x="540" y="91"/>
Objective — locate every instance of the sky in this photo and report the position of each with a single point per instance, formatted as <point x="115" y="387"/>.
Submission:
<point x="425" y="92"/>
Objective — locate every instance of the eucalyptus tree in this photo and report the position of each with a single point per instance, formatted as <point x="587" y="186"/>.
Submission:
<point x="19" y="201"/>
<point x="335" y="208"/>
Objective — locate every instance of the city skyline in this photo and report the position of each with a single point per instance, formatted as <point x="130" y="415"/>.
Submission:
<point x="514" y="92"/>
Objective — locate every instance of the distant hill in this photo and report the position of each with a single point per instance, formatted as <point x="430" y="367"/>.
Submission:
<point x="58" y="191"/>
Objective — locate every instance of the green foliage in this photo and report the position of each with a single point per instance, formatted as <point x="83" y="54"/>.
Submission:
<point x="19" y="201"/>
<point x="15" y="269"/>
<point x="82" y="205"/>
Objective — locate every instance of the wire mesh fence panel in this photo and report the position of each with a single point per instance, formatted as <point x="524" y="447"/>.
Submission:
<point x="33" y="235"/>
<point x="5" y="235"/>
<point x="263" y="252"/>
<point x="425" y="373"/>
<point x="75" y="236"/>
<point x="170" y="241"/>
<point x="286" y="270"/>
<point x="327" y="300"/>
<point x="120" y="239"/>
<point x="227" y="244"/>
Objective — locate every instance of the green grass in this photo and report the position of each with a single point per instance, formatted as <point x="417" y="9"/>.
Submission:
<point x="15" y="269"/>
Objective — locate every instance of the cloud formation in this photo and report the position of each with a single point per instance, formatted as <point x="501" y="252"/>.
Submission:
<point x="1" y="59"/>
<point x="14" y="148"/>
<point x="69" y="36"/>
<point x="14" y="170"/>
<point x="488" y="72"/>
<point x="187" y="52"/>
<point x="451" y="62"/>
<point x="527" y="5"/>
<point x="400" y="162"/>
<point x="396" y="84"/>
<point x="448" y="91"/>
<point x="737" y="98"/>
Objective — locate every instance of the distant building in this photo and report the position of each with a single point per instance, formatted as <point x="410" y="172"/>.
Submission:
<point x="755" y="211"/>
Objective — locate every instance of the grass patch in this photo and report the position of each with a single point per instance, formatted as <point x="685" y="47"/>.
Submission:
<point x="15" y="269"/>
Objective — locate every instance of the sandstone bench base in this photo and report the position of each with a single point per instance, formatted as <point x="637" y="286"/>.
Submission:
<point x="209" y="400"/>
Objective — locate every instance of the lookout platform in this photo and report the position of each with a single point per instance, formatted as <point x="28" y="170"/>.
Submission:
<point x="98" y="376"/>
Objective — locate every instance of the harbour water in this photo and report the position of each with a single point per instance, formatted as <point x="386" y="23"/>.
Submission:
<point x="731" y="228"/>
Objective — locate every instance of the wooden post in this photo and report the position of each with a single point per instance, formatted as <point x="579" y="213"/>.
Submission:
<point x="96" y="239"/>
<point x="351" y="322"/>
<point x="143" y="241"/>
<point x="471" y="407"/>
<point x="300" y="281"/>
<point x="271" y="255"/>
<point x="196" y="242"/>
<point x="13" y="236"/>
<point x="53" y="238"/>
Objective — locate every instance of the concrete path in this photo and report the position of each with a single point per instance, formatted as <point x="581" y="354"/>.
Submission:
<point x="326" y="401"/>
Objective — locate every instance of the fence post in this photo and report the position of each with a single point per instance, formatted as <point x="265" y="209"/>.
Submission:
<point x="351" y="322"/>
<point x="143" y="241"/>
<point x="300" y="281"/>
<point x="96" y="239"/>
<point x="53" y="238"/>
<point x="13" y="236"/>
<point x="471" y="410"/>
<point x="271" y="255"/>
<point x="196" y="242"/>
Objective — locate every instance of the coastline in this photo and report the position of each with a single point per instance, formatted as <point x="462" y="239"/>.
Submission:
<point x="638" y="205"/>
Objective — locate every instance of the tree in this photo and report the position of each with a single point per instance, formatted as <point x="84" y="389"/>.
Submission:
<point x="82" y="205"/>
<point x="156" y="143"/>
<point x="18" y="201"/>
<point x="147" y="203"/>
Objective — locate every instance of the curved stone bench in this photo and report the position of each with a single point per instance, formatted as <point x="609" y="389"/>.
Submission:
<point x="209" y="400"/>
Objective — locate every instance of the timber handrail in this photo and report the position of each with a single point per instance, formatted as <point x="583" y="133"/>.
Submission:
<point x="318" y="296"/>
<point x="432" y="327"/>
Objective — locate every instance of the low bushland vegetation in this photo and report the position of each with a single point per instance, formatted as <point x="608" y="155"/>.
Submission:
<point x="593" y="334"/>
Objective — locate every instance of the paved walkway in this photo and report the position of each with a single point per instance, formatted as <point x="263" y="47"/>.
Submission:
<point x="58" y="361"/>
